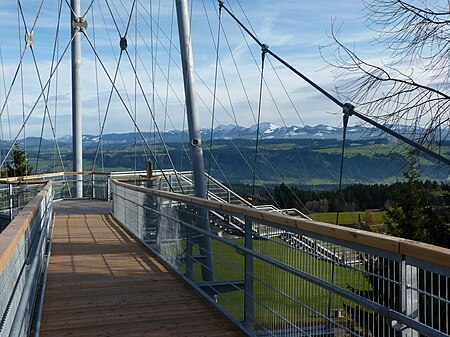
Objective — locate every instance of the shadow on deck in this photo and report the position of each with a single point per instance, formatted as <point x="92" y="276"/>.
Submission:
<point x="102" y="282"/>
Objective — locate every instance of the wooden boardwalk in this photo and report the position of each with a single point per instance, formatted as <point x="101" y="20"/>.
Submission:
<point x="101" y="282"/>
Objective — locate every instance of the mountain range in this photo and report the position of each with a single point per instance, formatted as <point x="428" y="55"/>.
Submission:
<point x="226" y="132"/>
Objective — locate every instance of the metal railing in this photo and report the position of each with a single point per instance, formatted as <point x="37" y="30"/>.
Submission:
<point x="343" y="282"/>
<point x="22" y="249"/>
<point x="285" y="277"/>
<point x="95" y="186"/>
<point x="13" y="197"/>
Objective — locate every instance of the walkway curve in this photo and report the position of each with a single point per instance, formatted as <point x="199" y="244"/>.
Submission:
<point x="102" y="282"/>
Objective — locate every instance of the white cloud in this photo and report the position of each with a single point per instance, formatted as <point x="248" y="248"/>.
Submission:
<point x="293" y="29"/>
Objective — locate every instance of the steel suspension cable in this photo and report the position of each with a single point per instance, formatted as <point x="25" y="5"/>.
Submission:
<point x="46" y="109"/>
<point x="128" y="24"/>
<point x="108" y="104"/>
<point x="71" y="9"/>
<point x="135" y="91"/>
<point x="154" y="119"/>
<point x="100" y="142"/>
<point x="214" y="92"/>
<point x="4" y="89"/>
<point x="166" y="103"/>
<point x="13" y="81"/>
<point x="276" y="105"/>
<point x="162" y="72"/>
<point x="153" y="60"/>
<point x="22" y="94"/>
<point x="83" y="17"/>
<point x="37" y="16"/>
<point x="301" y="120"/>
<point x="21" y="15"/>
<point x="251" y="110"/>
<point x="286" y="64"/>
<point x="334" y="99"/>
<point x="341" y="171"/>
<point x="263" y="57"/>
<point x="113" y="18"/>
<point x="233" y="114"/>
<point x="154" y="57"/>
<point x="36" y="102"/>
<point x="127" y="109"/>
<point x="167" y="81"/>
<point x="55" y="145"/>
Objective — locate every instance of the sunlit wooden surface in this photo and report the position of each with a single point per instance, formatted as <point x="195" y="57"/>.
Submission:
<point x="101" y="282"/>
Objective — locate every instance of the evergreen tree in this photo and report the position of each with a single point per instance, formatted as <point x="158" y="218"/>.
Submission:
<point x="19" y="166"/>
<point x="411" y="215"/>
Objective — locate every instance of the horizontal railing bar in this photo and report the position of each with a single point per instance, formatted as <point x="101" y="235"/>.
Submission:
<point x="40" y="303"/>
<point x="49" y="175"/>
<point x="34" y="176"/>
<point x="87" y="173"/>
<point x="415" y="249"/>
<point x="139" y="179"/>
<point x="26" y="182"/>
<point x="324" y="284"/>
<point x="395" y="318"/>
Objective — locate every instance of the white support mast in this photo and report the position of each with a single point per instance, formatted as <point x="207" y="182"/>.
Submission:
<point x="194" y="131"/>
<point x="77" y="26"/>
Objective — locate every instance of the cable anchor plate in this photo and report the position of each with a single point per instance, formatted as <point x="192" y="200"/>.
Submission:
<point x="29" y="39"/>
<point x="123" y="43"/>
<point x="79" y="24"/>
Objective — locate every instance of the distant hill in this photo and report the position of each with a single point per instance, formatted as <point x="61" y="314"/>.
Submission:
<point x="305" y="156"/>
<point x="226" y="132"/>
<point x="297" y="161"/>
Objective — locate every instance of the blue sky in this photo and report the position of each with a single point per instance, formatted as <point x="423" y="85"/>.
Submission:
<point x="293" y="29"/>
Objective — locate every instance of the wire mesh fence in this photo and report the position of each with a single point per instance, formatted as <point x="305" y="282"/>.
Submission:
<point x="23" y="246"/>
<point x="290" y="277"/>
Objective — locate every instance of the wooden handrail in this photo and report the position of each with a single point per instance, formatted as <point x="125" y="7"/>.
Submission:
<point x="417" y="250"/>
<point x="48" y="175"/>
<point x="26" y="182"/>
<point x="87" y="173"/>
<point x="124" y="180"/>
<point x="13" y="233"/>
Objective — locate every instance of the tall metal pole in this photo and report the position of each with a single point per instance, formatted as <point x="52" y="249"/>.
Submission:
<point x="194" y="132"/>
<point x="77" y="145"/>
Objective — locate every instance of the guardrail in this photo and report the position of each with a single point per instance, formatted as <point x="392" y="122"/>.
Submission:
<point x="22" y="249"/>
<point x="379" y="285"/>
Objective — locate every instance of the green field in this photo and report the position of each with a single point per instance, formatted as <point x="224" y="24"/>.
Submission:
<point x="346" y="217"/>
<point x="278" y="292"/>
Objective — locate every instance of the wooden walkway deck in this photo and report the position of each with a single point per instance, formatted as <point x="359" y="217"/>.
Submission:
<point x="101" y="282"/>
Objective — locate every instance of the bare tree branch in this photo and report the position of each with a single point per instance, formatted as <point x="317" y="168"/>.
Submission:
<point x="410" y="85"/>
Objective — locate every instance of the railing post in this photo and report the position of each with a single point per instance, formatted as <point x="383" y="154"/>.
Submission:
<point x="189" y="250"/>
<point x="249" y="315"/>
<point x="93" y="186"/>
<point x="108" y="188"/>
<point x="20" y="199"/>
<point x="409" y="296"/>
<point x="10" y="190"/>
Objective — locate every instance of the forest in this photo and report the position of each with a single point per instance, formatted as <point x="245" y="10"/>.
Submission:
<point x="355" y="197"/>
<point x="305" y="163"/>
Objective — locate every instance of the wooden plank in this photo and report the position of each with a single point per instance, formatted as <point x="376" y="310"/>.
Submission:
<point x="101" y="282"/>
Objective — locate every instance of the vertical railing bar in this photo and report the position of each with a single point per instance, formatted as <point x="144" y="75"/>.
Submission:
<point x="386" y="274"/>
<point x="249" y="314"/>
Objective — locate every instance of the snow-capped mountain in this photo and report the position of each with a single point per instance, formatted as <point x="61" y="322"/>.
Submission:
<point x="266" y="131"/>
